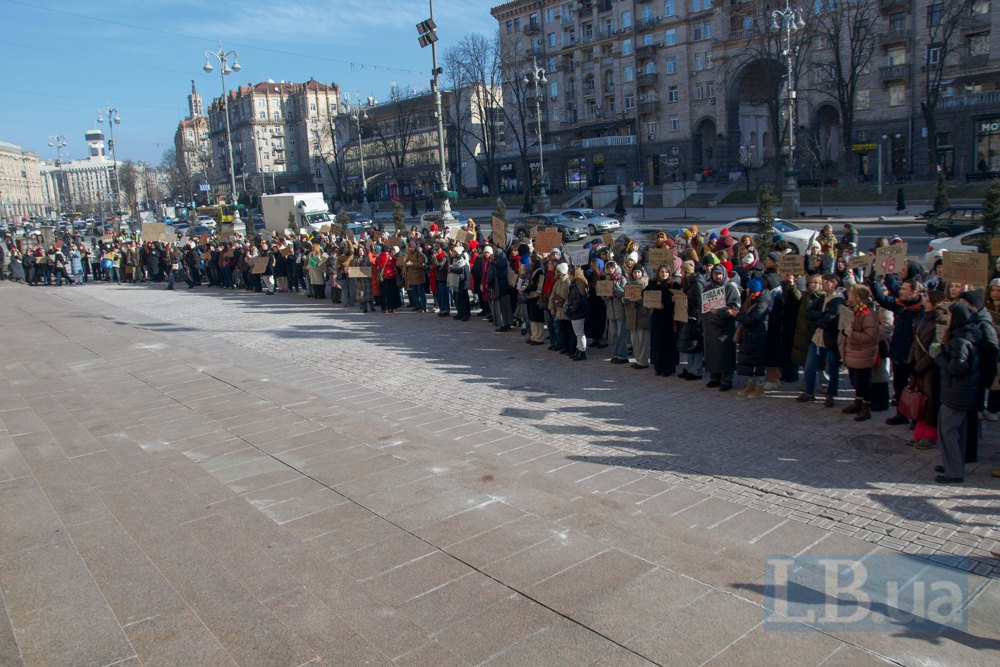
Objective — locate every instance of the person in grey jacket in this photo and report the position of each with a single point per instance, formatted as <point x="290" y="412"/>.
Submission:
<point x="958" y="360"/>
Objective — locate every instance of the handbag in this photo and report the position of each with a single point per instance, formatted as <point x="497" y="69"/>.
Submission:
<point x="912" y="403"/>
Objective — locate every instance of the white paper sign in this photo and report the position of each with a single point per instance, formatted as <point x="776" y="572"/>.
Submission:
<point x="580" y="257"/>
<point x="713" y="299"/>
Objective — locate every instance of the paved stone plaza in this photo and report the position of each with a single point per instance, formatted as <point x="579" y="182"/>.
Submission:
<point x="206" y="478"/>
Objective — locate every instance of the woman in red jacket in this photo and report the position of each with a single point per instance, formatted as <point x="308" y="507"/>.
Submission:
<point x="385" y="269"/>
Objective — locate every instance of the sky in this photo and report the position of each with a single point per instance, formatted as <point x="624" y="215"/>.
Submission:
<point x="65" y="59"/>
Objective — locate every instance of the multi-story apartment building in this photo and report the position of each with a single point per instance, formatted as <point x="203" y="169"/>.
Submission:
<point x="399" y="141"/>
<point x="192" y="146"/>
<point x="85" y="185"/>
<point x="650" y="90"/>
<point x="281" y="137"/>
<point x="20" y="183"/>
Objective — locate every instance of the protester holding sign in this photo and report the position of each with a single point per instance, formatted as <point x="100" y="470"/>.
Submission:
<point x="719" y="329"/>
<point x="637" y="316"/>
<point x="859" y="349"/>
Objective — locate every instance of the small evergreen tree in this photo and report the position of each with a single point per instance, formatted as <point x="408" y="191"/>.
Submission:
<point x="941" y="198"/>
<point x="342" y="219"/>
<point x="501" y="211"/>
<point x="292" y="225"/>
<point x="766" y="199"/>
<point x="620" y="204"/>
<point x="398" y="215"/>
<point x="991" y="216"/>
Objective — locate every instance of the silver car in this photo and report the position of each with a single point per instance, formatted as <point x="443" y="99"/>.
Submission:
<point x="597" y="223"/>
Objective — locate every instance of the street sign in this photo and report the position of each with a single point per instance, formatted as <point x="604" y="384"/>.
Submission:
<point x="205" y="188"/>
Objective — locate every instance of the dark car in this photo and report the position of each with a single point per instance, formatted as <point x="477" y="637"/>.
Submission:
<point x="359" y="219"/>
<point x="953" y="221"/>
<point x="198" y="230"/>
<point x="572" y="230"/>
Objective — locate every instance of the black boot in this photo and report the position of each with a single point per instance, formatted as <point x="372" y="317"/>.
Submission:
<point x="863" y="414"/>
<point x="580" y="356"/>
<point x="854" y="408"/>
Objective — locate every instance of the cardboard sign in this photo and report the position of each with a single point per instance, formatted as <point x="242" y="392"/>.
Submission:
<point x="713" y="299"/>
<point x="966" y="267"/>
<point x="548" y="240"/>
<point x="680" y="306"/>
<point x="499" y="228"/>
<point x="260" y="264"/>
<point x="608" y="239"/>
<point x="203" y="238"/>
<point x="859" y="262"/>
<point x="153" y="231"/>
<point x="652" y="299"/>
<point x="603" y="288"/>
<point x="579" y="257"/>
<point x="794" y="264"/>
<point x="398" y="241"/>
<point x="662" y="257"/>
<point x="995" y="247"/>
<point x="846" y="321"/>
<point x="633" y="292"/>
<point x="359" y="272"/>
<point x="286" y="251"/>
<point x="890" y="259"/>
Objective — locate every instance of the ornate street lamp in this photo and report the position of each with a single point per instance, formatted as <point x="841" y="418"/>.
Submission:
<point x="789" y="20"/>
<point x="222" y="57"/>
<point x="536" y="78"/>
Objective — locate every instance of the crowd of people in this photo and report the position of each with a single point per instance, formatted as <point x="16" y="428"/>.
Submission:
<point x="714" y="306"/>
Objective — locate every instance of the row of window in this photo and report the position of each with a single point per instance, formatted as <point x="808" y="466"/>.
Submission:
<point x="566" y="13"/>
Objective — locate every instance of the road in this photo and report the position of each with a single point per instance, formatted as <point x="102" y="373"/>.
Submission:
<point x="202" y="477"/>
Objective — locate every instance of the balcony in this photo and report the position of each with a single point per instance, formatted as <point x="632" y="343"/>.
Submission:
<point x="976" y="61"/>
<point x="533" y="28"/>
<point x="603" y="142"/>
<point x="893" y="5"/>
<point x="899" y="36"/>
<point x="646" y="78"/>
<point x="649" y="105"/>
<point x="894" y="72"/>
<point x="990" y="99"/>
<point x="646" y="23"/>
<point x="536" y="50"/>
<point x="646" y="50"/>
<point x="741" y="35"/>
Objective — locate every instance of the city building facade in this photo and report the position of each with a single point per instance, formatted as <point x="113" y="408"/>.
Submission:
<point x="85" y="185"/>
<point x="20" y="184"/>
<point x="193" y="148"/>
<point x="655" y="91"/>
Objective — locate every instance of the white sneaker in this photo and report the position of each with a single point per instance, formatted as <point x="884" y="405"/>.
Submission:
<point x="771" y="385"/>
<point x="992" y="416"/>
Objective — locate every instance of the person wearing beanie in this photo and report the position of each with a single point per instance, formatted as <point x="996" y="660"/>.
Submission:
<point x="557" y="307"/>
<point x="752" y="318"/>
<point x="501" y="292"/>
<point x="440" y="265"/>
<point x="637" y="319"/>
<point x="907" y="309"/>
<point x="961" y="389"/>
<point x="534" y="313"/>
<point x="459" y="277"/>
<point x="482" y="279"/>
<point x="859" y="349"/>
<point x="615" y="309"/>
<point x="689" y="335"/>
<point x="576" y="311"/>
<point x="719" y="329"/>
<point x="687" y="267"/>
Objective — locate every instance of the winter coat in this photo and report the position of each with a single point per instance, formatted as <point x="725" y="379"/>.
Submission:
<point x="924" y="370"/>
<point x="753" y="322"/>
<point x="959" y="364"/>
<point x="859" y="348"/>
<point x="317" y="274"/>
<point x="458" y="274"/>
<point x="385" y="266"/>
<point x="76" y="266"/>
<point x="498" y="277"/>
<point x="774" y="348"/>
<point x="637" y="317"/>
<point x="689" y="337"/>
<point x="535" y="312"/>
<point x="560" y="294"/>
<point x="804" y="327"/>
<point x="414" y="263"/>
<point x="718" y="328"/>
<point x="906" y="314"/>
<point x="576" y="304"/>
<point x="613" y="304"/>
<point x="824" y="314"/>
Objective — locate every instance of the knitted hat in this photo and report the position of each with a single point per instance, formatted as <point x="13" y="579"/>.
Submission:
<point x="670" y="243"/>
<point x="975" y="298"/>
<point x="459" y="249"/>
<point x="995" y="282"/>
<point x="774" y="256"/>
<point x="725" y="231"/>
<point x="488" y="250"/>
<point x="523" y="249"/>
<point x="749" y="259"/>
<point x="755" y="285"/>
<point x="634" y="256"/>
<point x="687" y="267"/>
<point x="562" y="268"/>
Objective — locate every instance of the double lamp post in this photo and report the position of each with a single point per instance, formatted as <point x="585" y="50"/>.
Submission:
<point x="789" y="20"/>
<point x="225" y="69"/>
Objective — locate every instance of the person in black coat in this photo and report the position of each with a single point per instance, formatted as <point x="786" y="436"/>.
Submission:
<point x="719" y="330"/>
<point x="824" y="352"/>
<point x="662" y="337"/>
<point x="689" y="338"/>
<point x="907" y="309"/>
<point x="751" y="350"/>
<point x="958" y="359"/>
<point x="774" y="350"/>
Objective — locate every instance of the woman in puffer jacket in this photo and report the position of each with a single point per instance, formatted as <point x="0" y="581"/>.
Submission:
<point x="752" y="318"/>
<point x="858" y="344"/>
<point x="924" y="371"/>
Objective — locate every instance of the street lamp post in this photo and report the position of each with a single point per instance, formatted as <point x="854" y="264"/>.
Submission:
<point x="789" y="20"/>
<point x="223" y="56"/>
<point x="113" y="119"/>
<point x="746" y="161"/>
<point x="359" y="114"/>
<point x="59" y="142"/>
<point x="428" y="37"/>
<point x="536" y="78"/>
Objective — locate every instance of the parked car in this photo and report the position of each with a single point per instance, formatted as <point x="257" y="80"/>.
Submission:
<point x="198" y="230"/>
<point x="205" y="220"/>
<point x="434" y="217"/>
<point x="954" y="220"/>
<point x="572" y="230"/>
<point x="359" y="219"/>
<point x="797" y="237"/>
<point x="964" y="242"/>
<point x="597" y="223"/>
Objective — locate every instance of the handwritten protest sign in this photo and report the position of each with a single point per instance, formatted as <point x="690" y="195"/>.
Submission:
<point x="359" y="272"/>
<point x="890" y="259"/>
<point x="995" y="247"/>
<point x="580" y="257"/>
<point x="965" y="267"/>
<point x="713" y="299"/>
<point x="547" y="240"/>
<point x="794" y="264"/>
<point x="680" y="306"/>
<point x="260" y="264"/>
<point x="608" y="239"/>
<point x="662" y="257"/>
<point x="153" y="231"/>
<point x="603" y="288"/>
<point x="633" y="292"/>
<point x="652" y="299"/>
<point x="499" y="228"/>
<point x="859" y="262"/>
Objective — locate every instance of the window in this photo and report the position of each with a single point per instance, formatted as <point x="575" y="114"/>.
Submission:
<point x="650" y="67"/>
<point x="897" y="21"/>
<point x="897" y="95"/>
<point x="708" y="60"/>
<point x="935" y="13"/>
<point x="510" y="27"/>
<point x="550" y="15"/>
<point x="588" y="83"/>
<point x="628" y="74"/>
<point x="668" y="8"/>
<point x="553" y="90"/>
<point x="862" y="100"/>
<point x="629" y="102"/>
<point x="672" y="94"/>
<point x="697" y="62"/>
<point x="980" y="7"/>
<point x="896" y="56"/>
<point x="262" y="115"/>
<point x="670" y="37"/>
<point x="627" y="47"/>
<point x="312" y="106"/>
<point x="699" y="5"/>
<point x="672" y="65"/>
<point x="609" y="80"/>
<point x="647" y="39"/>
<point x="933" y="54"/>
<point x="979" y="45"/>
<point x="820" y="41"/>
<point x="651" y="127"/>
<point x="266" y="156"/>
<point x="709" y="89"/>
<point x="675" y="123"/>
<point x="702" y="30"/>
<point x="552" y="40"/>
<point x="647" y="13"/>
<point x="626" y="20"/>
<point x="699" y="91"/>
<point x="517" y="25"/>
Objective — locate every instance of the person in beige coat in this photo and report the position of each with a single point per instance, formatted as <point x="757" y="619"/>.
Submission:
<point x="316" y="261"/>
<point x="415" y="276"/>
<point x="858" y="344"/>
<point x="560" y="295"/>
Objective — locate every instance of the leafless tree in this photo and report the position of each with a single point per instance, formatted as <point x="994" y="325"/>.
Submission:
<point x="396" y="133"/>
<point x="335" y="142"/>
<point x="847" y="34"/>
<point x="174" y="181"/>
<point x="517" y="111"/>
<point x="946" y="19"/>
<point x="129" y="187"/>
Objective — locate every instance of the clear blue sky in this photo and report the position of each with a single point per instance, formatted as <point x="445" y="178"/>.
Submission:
<point x="65" y="59"/>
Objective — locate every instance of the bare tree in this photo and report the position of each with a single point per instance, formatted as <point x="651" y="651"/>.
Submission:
<point x="174" y="182"/>
<point x="516" y="111"/>
<point x="945" y="21"/>
<point x="474" y="71"/>
<point x="334" y="143"/>
<point x="848" y="35"/>
<point x="129" y="186"/>
<point x="396" y="133"/>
